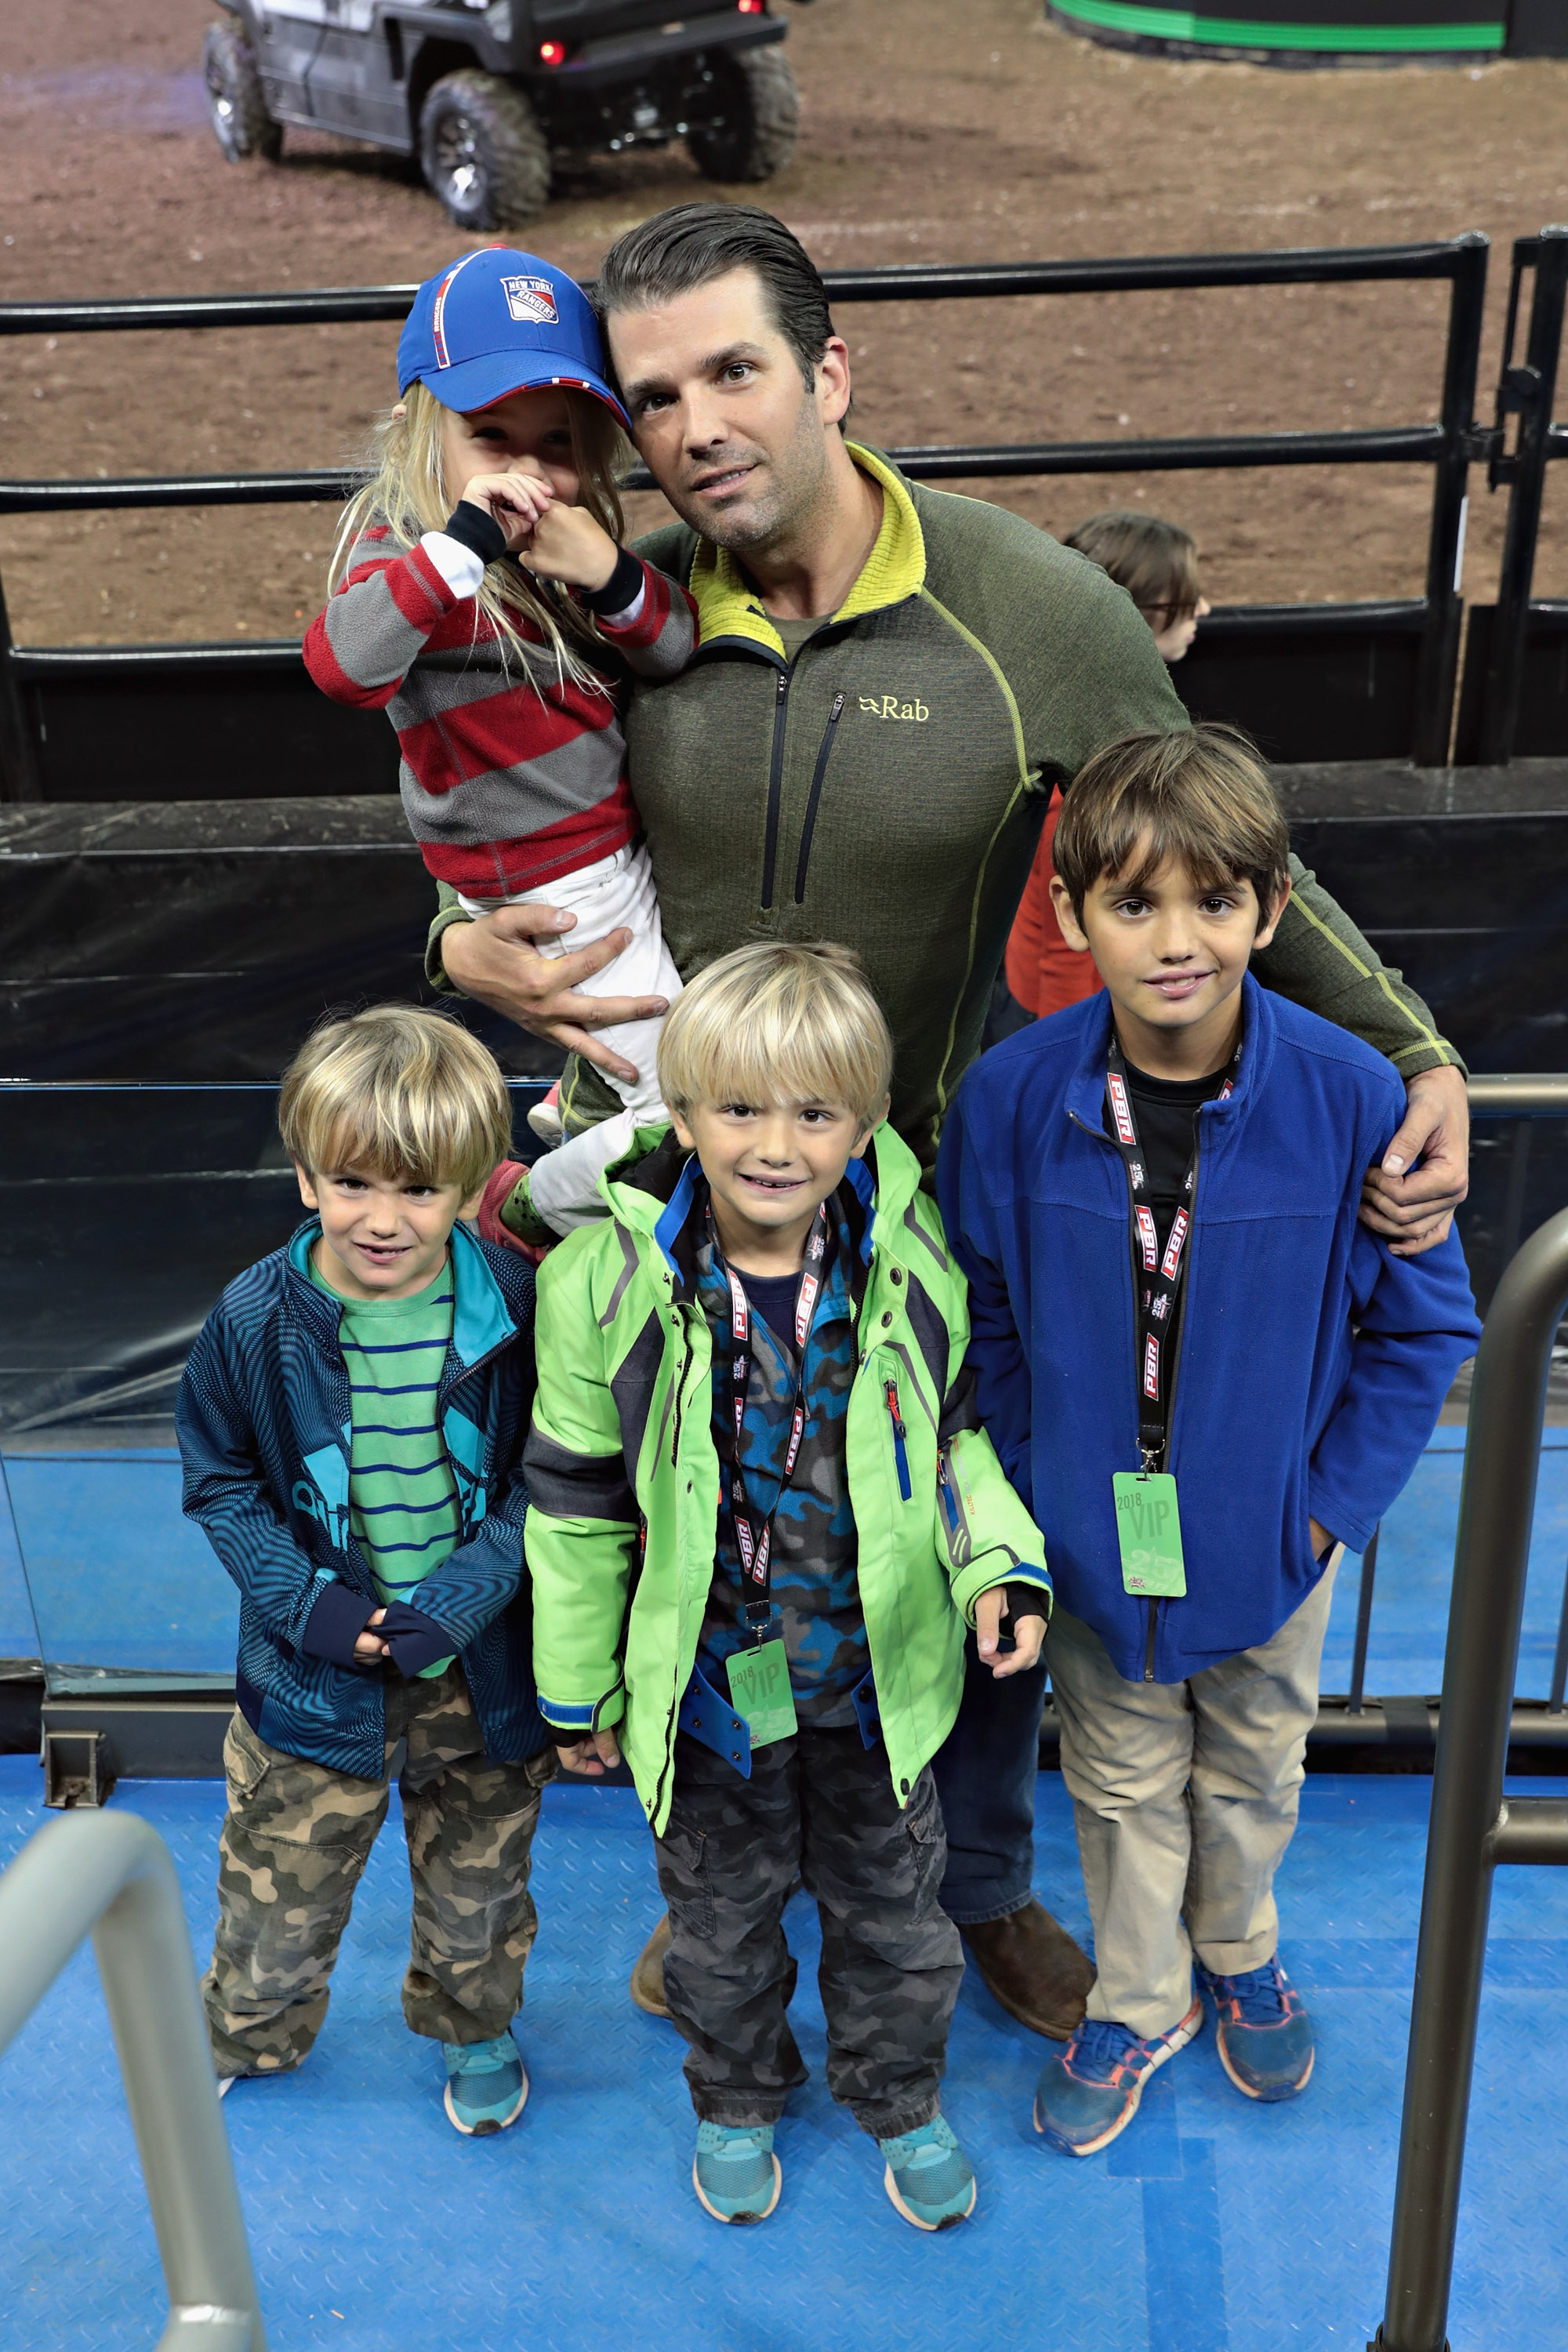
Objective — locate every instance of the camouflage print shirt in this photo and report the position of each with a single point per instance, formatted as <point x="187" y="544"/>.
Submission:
<point x="815" y="1592"/>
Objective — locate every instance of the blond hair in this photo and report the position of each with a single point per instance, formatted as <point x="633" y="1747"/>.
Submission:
<point x="1155" y="562"/>
<point x="399" y="1089"/>
<point x="406" y="493"/>
<point x="778" y="1023"/>
<point x="1201" y="797"/>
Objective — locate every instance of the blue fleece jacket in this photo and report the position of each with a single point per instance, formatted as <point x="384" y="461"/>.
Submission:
<point x="265" y="1429"/>
<point x="1311" y="1363"/>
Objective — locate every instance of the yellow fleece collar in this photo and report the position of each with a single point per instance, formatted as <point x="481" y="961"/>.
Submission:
<point x="729" y="607"/>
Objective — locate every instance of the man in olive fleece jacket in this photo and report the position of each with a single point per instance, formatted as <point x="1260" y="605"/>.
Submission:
<point x="889" y="683"/>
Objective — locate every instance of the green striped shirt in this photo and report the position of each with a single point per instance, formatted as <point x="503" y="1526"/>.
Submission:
<point x="403" y="1498"/>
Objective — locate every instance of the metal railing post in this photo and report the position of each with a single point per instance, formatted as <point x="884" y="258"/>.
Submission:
<point x="1531" y="392"/>
<point x="109" y="1876"/>
<point x="1496" y="1506"/>
<point x="1439" y="663"/>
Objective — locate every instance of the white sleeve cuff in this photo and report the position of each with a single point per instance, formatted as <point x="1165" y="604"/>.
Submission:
<point x="633" y="612"/>
<point x="459" y="566"/>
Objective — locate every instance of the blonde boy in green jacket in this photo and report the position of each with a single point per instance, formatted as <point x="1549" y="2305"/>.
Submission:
<point x="761" y="1511"/>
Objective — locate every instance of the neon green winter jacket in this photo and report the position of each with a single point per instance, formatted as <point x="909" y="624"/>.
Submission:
<point x="623" y="1473"/>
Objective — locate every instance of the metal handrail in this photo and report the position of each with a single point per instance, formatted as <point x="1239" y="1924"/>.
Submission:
<point x="1472" y="1830"/>
<point x="109" y="1876"/>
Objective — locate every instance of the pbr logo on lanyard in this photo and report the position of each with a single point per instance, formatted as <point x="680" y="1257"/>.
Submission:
<point x="754" y="1533"/>
<point x="1163" y="1269"/>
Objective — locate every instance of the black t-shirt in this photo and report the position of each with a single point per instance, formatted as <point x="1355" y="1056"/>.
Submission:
<point x="773" y="1297"/>
<point x="1166" y="1111"/>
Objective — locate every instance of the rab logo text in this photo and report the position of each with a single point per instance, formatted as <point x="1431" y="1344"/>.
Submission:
<point x="531" y="300"/>
<point x="888" y="706"/>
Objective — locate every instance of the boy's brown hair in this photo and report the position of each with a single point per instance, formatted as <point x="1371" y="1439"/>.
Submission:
<point x="1201" y="797"/>
<point x="399" y="1089"/>
<point x="1155" y="562"/>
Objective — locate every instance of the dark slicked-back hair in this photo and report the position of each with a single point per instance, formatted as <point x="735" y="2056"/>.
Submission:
<point x="1200" y="795"/>
<point x="690" y="244"/>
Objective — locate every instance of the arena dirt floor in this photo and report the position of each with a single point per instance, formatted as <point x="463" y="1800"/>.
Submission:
<point x="931" y="132"/>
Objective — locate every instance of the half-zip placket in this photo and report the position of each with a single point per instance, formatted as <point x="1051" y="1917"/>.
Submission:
<point x="775" y="788"/>
<point x="824" y="752"/>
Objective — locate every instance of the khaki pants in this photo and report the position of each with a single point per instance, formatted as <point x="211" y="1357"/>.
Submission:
<point x="1184" y="1795"/>
<point x="295" y="1842"/>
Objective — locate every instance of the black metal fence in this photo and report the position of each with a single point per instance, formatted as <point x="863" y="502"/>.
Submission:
<point x="55" y="703"/>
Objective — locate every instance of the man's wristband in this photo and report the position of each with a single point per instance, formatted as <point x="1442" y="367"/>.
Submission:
<point x="477" y="529"/>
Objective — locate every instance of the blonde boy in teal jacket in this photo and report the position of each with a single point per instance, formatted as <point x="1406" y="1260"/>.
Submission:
<point x="762" y="1513"/>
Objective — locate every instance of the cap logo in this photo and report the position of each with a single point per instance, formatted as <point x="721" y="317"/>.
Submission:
<point x="531" y="300"/>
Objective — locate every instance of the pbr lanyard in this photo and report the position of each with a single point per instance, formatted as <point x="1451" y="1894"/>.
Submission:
<point x="753" y="1532"/>
<point x="1163" y="1270"/>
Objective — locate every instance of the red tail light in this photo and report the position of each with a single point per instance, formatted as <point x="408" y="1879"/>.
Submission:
<point x="556" y="53"/>
<point x="752" y="7"/>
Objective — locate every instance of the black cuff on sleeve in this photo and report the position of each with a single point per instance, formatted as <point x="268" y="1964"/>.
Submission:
<point x="415" y="1639"/>
<point x="560" y="1736"/>
<point x="1023" y="1600"/>
<point x="619" y="589"/>
<point x="479" y="532"/>
<point x="337" y="1618"/>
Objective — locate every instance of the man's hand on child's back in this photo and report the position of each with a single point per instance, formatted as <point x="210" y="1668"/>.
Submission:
<point x="368" y="1647"/>
<point x="495" y="961"/>
<point x="1414" y="1212"/>
<point x="591" y="1758"/>
<point x="1028" y="1634"/>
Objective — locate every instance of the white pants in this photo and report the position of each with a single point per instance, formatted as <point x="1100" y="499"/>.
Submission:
<point x="614" y="894"/>
<point x="1184" y="1797"/>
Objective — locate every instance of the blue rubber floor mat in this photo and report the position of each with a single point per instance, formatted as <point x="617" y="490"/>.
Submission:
<point x="1213" y="2225"/>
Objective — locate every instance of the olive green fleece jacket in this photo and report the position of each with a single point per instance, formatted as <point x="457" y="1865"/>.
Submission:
<point x="624" y="1474"/>
<point x="886" y="788"/>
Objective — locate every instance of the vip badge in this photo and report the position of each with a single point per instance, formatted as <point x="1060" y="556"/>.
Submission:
<point x="530" y="300"/>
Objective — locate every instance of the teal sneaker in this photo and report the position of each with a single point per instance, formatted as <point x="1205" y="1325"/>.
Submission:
<point x="929" y="2177"/>
<point x="735" y="2173"/>
<point x="485" y="2085"/>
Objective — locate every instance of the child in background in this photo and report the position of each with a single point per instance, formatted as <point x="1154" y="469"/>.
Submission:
<point x="352" y="1425"/>
<point x="496" y="489"/>
<point x="1195" y="1126"/>
<point x="1157" y="563"/>
<point x="762" y="1512"/>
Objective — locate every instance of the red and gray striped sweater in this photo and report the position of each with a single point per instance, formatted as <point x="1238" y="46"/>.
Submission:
<point x="509" y="780"/>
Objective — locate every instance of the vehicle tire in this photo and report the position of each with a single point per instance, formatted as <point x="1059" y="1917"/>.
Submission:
<point x="483" y="150"/>
<point x="759" y="121"/>
<point x="238" y="103"/>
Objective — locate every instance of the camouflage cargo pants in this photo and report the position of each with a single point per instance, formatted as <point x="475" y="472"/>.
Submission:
<point x="820" y="1808"/>
<point x="295" y="1842"/>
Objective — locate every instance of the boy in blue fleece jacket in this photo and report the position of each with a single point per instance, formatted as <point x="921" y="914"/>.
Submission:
<point x="352" y="1425"/>
<point x="1204" y="1378"/>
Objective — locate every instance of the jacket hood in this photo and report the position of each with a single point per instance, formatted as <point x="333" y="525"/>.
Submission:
<point x="481" y="1319"/>
<point x="729" y="608"/>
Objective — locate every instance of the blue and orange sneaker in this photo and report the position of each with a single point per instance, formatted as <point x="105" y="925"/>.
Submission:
<point x="1089" y="2093"/>
<point x="1263" y="2032"/>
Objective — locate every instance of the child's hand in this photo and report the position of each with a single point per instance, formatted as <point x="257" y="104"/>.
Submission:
<point x="514" y="500"/>
<point x="1028" y="1634"/>
<point x="590" y="1758"/>
<point x="367" y="1647"/>
<point x="570" y="546"/>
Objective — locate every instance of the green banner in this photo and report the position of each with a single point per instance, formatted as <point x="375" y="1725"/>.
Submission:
<point x="1239" y="33"/>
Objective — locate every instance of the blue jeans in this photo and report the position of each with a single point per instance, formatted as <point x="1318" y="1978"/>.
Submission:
<point x="985" y="1773"/>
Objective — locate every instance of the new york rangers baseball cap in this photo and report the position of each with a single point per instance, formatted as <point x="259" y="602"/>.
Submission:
<point x="497" y="321"/>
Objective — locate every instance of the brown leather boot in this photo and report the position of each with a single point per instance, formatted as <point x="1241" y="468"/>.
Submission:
<point x="647" y="1977"/>
<point x="1031" y="1968"/>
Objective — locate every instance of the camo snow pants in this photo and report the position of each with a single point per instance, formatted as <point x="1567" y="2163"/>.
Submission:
<point x="818" y="1808"/>
<point x="295" y="1841"/>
